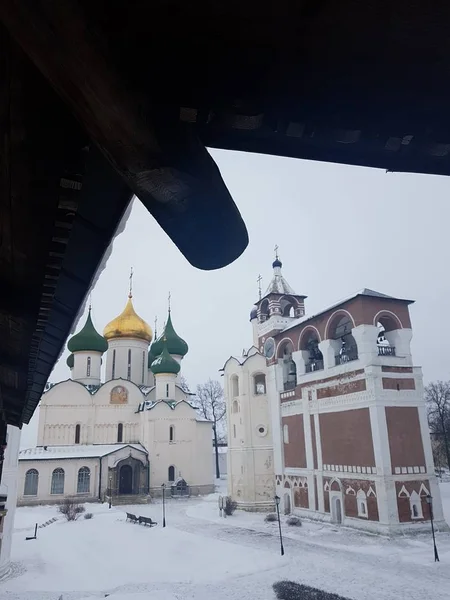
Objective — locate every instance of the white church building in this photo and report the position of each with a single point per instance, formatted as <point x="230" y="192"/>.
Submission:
<point x="124" y="437"/>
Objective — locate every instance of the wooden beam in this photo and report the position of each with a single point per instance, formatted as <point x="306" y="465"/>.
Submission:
<point x="162" y="162"/>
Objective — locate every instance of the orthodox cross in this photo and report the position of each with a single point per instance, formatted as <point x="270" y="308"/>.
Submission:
<point x="156" y="323"/>
<point x="276" y="251"/>
<point x="168" y="300"/>
<point x="131" y="283"/>
<point x="259" y="286"/>
<point x="90" y="301"/>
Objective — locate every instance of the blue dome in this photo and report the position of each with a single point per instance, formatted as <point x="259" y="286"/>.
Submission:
<point x="277" y="263"/>
<point x="253" y="313"/>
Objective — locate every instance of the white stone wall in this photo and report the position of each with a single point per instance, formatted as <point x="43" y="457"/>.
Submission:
<point x="250" y="435"/>
<point x="139" y="360"/>
<point x="8" y="487"/>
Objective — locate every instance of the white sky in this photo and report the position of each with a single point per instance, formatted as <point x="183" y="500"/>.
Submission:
<point x="339" y="229"/>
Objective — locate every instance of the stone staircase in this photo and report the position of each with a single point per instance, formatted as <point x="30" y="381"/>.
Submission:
<point x="130" y="499"/>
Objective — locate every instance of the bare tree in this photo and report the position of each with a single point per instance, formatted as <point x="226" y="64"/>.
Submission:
<point x="437" y="397"/>
<point x="210" y="402"/>
<point x="184" y="384"/>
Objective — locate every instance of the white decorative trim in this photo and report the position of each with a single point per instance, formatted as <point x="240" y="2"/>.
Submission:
<point x="351" y="469"/>
<point x="391" y="313"/>
<point x="326" y="336"/>
<point x="350" y="491"/>
<point x="409" y="470"/>
<point x="371" y="492"/>
<point x="403" y="493"/>
<point x="424" y="489"/>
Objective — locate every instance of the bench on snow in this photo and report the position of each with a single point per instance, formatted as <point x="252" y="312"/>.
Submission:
<point x="132" y="518"/>
<point x="147" y="521"/>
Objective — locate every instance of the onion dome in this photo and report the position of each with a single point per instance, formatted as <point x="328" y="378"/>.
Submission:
<point x="70" y="361"/>
<point x="254" y="313"/>
<point x="277" y="263"/>
<point x="165" y="363"/>
<point x="128" y="325"/>
<point x="151" y="356"/>
<point x="175" y="344"/>
<point x="88" y="339"/>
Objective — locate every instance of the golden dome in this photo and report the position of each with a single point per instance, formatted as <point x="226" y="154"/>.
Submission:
<point x="128" y="325"/>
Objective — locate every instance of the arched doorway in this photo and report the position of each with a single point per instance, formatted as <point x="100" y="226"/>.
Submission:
<point x="337" y="510"/>
<point x="126" y="479"/>
<point x="287" y="503"/>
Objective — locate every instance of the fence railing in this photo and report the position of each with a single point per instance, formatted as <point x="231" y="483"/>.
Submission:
<point x="346" y="356"/>
<point x="314" y="365"/>
<point x="386" y="350"/>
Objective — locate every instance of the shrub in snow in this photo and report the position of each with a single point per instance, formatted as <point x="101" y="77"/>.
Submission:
<point x="289" y="590"/>
<point x="270" y="518"/>
<point x="71" y="508"/>
<point x="230" y="506"/>
<point x="88" y="516"/>
<point x="294" y="522"/>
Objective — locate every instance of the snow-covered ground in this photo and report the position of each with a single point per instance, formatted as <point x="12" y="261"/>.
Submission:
<point x="200" y="556"/>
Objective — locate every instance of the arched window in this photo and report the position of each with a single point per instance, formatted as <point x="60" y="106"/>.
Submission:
<point x="88" y="366"/>
<point x="341" y="331"/>
<point x="31" y="483"/>
<point x="264" y="311"/>
<point x="129" y="365"/>
<point x="310" y="345"/>
<point x="259" y="384"/>
<point x="84" y="480"/>
<point x="234" y="380"/>
<point x="171" y="473"/>
<point x="235" y="406"/>
<point x="383" y="344"/>
<point x="171" y="433"/>
<point x="234" y="431"/>
<point x="288" y="306"/>
<point x="362" y="503"/>
<point x="120" y="433"/>
<point x="416" y="506"/>
<point x="167" y="390"/>
<point x="77" y="433"/>
<point x="113" y="365"/>
<point x="289" y="366"/>
<point x="286" y="434"/>
<point x="57" y="482"/>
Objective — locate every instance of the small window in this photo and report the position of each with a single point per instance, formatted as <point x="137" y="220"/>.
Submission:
<point x="113" y="365"/>
<point x="88" y="366"/>
<point x="362" y="503"/>
<point x="84" y="480"/>
<point x="77" y="433"/>
<point x="31" y="483"/>
<point x="234" y="385"/>
<point x="285" y="434"/>
<point x="171" y="433"/>
<point x="143" y="367"/>
<point x="416" y="506"/>
<point x="235" y="406"/>
<point x="234" y="431"/>
<point x="171" y="473"/>
<point x="57" y="482"/>
<point x="167" y="390"/>
<point x="259" y="383"/>
<point x="129" y="365"/>
<point x="120" y="433"/>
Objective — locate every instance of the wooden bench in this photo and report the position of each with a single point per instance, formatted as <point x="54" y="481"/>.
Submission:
<point x="132" y="518"/>
<point x="147" y="521"/>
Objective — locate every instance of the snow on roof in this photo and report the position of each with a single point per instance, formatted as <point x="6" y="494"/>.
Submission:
<point x="76" y="451"/>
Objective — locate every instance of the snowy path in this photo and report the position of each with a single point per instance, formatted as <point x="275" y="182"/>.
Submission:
<point x="199" y="556"/>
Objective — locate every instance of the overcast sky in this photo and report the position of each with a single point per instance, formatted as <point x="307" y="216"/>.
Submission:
<point x="338" y="228"/>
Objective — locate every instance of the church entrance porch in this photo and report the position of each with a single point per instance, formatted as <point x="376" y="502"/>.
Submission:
<point x="128" y="478"/>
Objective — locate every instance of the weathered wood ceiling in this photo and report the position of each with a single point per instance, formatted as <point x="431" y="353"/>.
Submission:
<point x="100" y="100"/>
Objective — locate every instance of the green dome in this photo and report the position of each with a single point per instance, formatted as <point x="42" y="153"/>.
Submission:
<point x="70" y="361"/>
<point x="165" y="363"/>
<point x="175" y="344"/>
<point x="88" y="339"/>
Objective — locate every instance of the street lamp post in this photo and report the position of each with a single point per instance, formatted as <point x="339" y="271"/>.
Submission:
<point x="277" y="503"/>
<point x="110" y="490"/>
<point x="164" y="503"/>
<point x="429" y="499"/>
